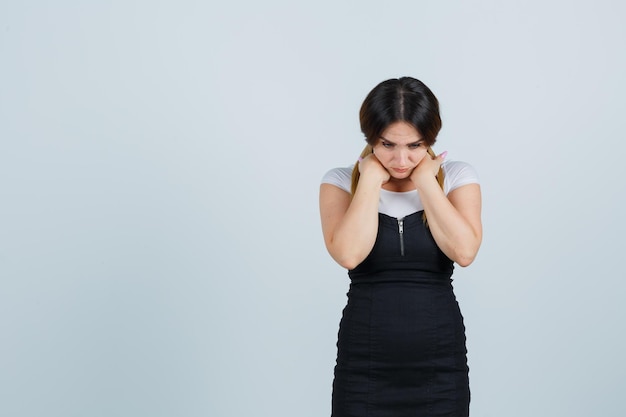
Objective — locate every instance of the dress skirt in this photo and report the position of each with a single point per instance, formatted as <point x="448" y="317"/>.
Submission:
<point x="401" y="343"/>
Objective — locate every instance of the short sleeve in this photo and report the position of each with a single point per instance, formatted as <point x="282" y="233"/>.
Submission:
<point x="458" y="174"/>
<point x="340" y="177"/>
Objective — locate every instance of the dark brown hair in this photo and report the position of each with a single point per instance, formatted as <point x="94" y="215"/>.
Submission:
<point x="404" y="99"/>
<point x="400" y="100"/>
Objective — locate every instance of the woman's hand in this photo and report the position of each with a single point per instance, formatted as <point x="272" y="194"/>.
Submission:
<point x="427" y="168"/>
<point x="370" y="166"/>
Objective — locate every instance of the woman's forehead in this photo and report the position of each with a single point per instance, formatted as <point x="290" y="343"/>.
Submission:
<point x="401" y="131"/>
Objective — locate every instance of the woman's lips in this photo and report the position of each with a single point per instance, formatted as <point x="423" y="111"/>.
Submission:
<point x="400" y="170"/>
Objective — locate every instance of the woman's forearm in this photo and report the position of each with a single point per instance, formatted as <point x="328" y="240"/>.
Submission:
<point x="354" y="235"/>
<point x="457" y="231"/>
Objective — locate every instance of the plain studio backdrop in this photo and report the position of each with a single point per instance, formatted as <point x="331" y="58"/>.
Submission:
<point x="160" y="243"/>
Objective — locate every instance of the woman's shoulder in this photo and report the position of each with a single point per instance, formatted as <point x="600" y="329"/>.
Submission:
<point x="340" y="177"/>
<point x="457" y="167"/>
<point x="457" y="174"/>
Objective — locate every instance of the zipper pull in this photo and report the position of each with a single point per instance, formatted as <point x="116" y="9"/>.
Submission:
<point x="401" y="231"/>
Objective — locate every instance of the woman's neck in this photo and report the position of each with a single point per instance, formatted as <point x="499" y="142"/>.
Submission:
<point x="399" y="186"/>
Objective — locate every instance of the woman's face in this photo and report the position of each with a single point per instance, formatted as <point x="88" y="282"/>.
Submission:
<point x="399" y="149"/>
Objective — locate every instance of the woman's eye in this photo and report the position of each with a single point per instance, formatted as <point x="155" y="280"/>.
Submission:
<point x="415" y="145"/>
<point x="386" y="144"/>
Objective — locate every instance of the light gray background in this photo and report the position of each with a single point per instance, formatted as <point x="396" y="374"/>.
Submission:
<point x="160" y="247"/>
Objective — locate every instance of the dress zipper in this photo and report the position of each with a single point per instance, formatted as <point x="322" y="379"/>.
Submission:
<point x="401" y="231"/>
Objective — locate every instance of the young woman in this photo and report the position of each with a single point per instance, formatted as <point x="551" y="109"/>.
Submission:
<point x="398" y="221"/>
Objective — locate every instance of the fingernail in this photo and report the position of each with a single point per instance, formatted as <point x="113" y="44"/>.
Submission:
<point x="443" y="154"/>
<point x="360" y="159"/>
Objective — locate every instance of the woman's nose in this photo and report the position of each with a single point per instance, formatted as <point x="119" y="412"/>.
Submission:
<point x="401" y="156"/>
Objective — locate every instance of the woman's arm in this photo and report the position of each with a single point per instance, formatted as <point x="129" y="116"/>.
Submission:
<point x="350" y="225"/>
<point x="454" y="220"/>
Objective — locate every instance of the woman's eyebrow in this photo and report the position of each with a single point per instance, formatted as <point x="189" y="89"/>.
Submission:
<point x="393" y="143"/>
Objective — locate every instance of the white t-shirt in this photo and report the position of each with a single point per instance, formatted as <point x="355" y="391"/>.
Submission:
<point x="401" y="204"/>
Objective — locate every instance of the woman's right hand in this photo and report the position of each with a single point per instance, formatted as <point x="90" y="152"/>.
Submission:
<point x="371" y="166"/>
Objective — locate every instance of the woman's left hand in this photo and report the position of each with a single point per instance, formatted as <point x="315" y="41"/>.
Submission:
<point x="427" y="168"/>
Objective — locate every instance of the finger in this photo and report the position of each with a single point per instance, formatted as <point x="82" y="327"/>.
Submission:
<point x="442" y="155"/>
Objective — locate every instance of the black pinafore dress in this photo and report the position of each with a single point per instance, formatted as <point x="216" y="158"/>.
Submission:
<point x="401" y="347"/>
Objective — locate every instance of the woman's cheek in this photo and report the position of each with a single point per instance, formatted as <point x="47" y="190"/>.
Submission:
<point x="420" y="157"/>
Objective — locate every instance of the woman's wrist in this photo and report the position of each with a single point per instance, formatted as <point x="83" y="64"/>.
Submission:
<point x="372" y="179"/>
<point x="425" y="182"/>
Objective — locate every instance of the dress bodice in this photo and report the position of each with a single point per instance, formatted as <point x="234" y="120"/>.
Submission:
<point x="405" y="250"/>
